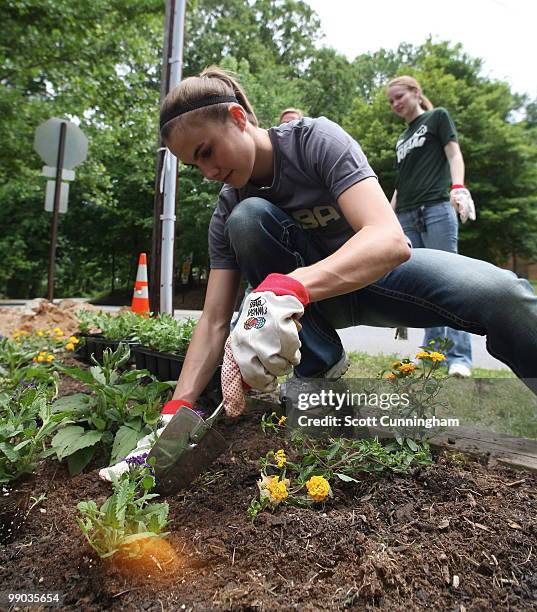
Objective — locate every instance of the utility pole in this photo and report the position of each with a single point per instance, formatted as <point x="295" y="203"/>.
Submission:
<point x="161" y="295"/>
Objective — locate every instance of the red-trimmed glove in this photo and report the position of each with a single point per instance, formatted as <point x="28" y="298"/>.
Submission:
<point x="265" y="341"/>
<point x="146" y="443"/>
<point x="462" y="202"/>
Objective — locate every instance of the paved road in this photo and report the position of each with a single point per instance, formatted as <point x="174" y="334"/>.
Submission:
<point x="372" y="340"/>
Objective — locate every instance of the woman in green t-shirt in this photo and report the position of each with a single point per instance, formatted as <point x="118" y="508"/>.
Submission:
<point x="429" y="160"/>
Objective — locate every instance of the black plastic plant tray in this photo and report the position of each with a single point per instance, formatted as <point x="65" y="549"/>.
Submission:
<point x="96" y="344"/>
<point x="167" y="366"/>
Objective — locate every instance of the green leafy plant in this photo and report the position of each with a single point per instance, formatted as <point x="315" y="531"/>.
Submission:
<point x="421" y="381"/>
<point x="162" y="333"/>
<point x="166" y="334"/>
<point x="121" y="326"/>
<point x="126" y="515"/>
<point x="120" y="408"/>
<point x="301" y="476"/>
<point x="26" y="425"/>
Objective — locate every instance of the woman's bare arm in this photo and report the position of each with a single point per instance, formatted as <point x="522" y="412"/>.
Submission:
<point x="207" y="346"/>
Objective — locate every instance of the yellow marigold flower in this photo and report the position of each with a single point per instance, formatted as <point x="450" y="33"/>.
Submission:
<point x="407" y="368"/>
<point x="396" y="364"/>
<point x="57" y="330"/>
<point x="318" y="488"/>
<point x="423" y="355"/>
<point x="69" y="346"/>
<point x="273" y="488"/>
<point x="391" y="375"/>
<point x="40" y="358"/>
<point x="436" y="357"/>
<point x="50" y="358"/>
<point x="40" y="333"/>
<point x="280" y="458"/>
<point x="42" y="353"/>
<point x="74" y="340"/>
<point x="282" y="420"/>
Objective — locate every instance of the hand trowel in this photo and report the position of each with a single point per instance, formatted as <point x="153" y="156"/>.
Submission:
<point x="186" y="448"/>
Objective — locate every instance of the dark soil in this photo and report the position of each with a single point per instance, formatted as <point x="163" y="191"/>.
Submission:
<point x="391" y="543"/>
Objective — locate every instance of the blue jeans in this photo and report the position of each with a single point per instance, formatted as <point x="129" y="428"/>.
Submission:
<point x="433" y="288"/>
<point x="437" y="227"/>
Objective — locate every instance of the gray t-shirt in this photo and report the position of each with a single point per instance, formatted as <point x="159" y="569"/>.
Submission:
<point x="315" y="161"/>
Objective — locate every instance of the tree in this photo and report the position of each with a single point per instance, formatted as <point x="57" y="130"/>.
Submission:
<point x="499" y="153"/>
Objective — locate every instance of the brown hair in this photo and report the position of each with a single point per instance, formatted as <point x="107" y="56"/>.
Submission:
<point x="411" y="83"/>
<point x="213" y="81"/>
<point x="296" y="111"/>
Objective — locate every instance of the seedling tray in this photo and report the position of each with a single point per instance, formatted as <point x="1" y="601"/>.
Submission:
<point x="96" y="344"/>
<point x="168" y="366"/>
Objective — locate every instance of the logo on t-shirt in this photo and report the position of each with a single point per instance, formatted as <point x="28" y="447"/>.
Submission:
<point x="416" y="140"/>
<point x="318" y="216"/>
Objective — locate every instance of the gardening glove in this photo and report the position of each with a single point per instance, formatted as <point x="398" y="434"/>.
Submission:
<point x="265" y="341"/>
<point x="462" y="202"/>
<point x="233" y="386"/>
<point x="146" y="443"/>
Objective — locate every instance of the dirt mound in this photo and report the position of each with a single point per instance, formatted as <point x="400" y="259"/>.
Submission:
<point x="40" y="314"/>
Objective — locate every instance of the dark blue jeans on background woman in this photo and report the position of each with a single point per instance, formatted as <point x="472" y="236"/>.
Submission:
<point x="432" y="289"/>
<point x="436" y="227"/>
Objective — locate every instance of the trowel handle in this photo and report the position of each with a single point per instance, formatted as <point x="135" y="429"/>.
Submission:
<point x="215" y="415"/>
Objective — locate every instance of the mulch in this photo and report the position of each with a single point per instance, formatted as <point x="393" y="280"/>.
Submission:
<point x="457" y="535"/>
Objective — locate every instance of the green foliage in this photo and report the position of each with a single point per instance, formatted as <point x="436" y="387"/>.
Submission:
<point x="326" y="461"/>
<point x="118" y="411"/>
<point x="166" y="334"/>
<point x="26" y="425"/>
<point x="500" y="154"/>
<point x="121" y="326"/>
<point x="162" y="333"/>
<point x="99" y="63"/>
<point x="126" y="515"/>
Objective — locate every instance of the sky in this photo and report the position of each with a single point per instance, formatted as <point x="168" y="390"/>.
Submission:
<point x="501" y="32"/>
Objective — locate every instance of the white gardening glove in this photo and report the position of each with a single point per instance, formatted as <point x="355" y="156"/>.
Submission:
<point x="462" y="202"/>
<point x="146" y="443"/>
<point x="265" y="341"/>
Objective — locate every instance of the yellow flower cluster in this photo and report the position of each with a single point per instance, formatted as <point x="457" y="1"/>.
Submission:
<point x="43" y="357"/>
<point x="318" y="488"/>
<point x="71" y="344"/>
<point x="282" y="420"/>
<point x="391" y="376"/>
<point x="18" y="333"/>
<point x="407" y="368"/>
<point x="277" y="488"/>
<point x="434" y="356"/>
<point x="280" y="458"/>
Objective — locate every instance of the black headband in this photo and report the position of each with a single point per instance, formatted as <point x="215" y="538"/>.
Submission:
<point x="172" y="113"/>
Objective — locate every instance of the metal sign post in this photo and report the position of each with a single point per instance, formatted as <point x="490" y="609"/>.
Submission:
<point x="164" y="213"/>
<point x="56" y="213"/>
<point x="61" y="142"/>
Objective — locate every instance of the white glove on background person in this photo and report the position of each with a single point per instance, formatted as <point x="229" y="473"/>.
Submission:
<point x="462" y="202"/>
<point x="265" y="341"/>
<point x="146" y="443"/>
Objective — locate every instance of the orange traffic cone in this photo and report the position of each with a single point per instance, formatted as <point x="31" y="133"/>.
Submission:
<point x="140" y="298"/>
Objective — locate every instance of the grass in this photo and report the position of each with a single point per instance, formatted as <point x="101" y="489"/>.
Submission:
<point x="368" y="366"/>
<point x="493" y="400"/>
